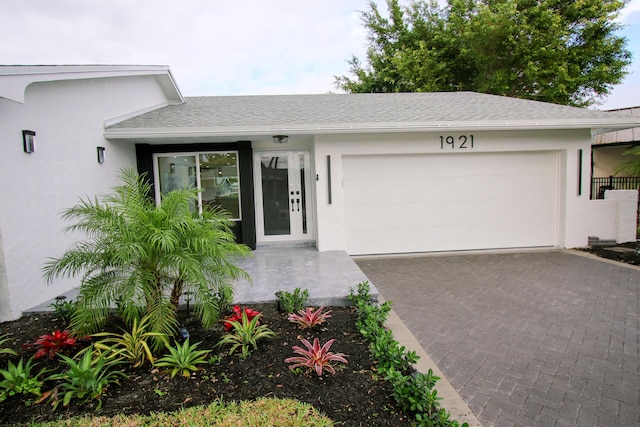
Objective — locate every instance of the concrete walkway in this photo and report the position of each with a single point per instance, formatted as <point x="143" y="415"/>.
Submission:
<point x="527" y="339"/>
<point x="329" y="276"/>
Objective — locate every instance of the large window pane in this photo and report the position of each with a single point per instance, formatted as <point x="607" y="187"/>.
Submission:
<point x="214" y="174"/>
<point x="219" y="181"/>
<point x="177" y="172"/>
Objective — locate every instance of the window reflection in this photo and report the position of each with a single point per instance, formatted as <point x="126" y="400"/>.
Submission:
<point x="219" y="181"/>
<point x="214" y="174"/>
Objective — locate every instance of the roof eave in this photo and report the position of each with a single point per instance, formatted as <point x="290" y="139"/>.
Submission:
<point x="14" y="80"/>
<point x="299" y="129"/>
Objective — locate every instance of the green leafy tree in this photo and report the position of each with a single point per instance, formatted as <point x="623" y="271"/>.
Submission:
<point x="561" y="51"/>
<point x="144" y="256"/>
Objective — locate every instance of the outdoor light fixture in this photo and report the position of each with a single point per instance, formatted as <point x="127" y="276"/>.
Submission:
<point x="100" y="154"/>
<point x="183" y="333"/>
<point x="28" y="141"/>
<point x="188" y="296"/>
<point x="280" y="139"/>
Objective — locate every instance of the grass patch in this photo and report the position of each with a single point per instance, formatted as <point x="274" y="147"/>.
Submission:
<point x="263" y="412"/>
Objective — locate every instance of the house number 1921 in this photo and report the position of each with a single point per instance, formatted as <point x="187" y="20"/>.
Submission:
<point x="463" y="141"/>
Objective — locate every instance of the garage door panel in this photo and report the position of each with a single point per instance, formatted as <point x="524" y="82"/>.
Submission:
<point x="444" y="238"/>
<point x="470" y="187"/>
<point x="405" y="206"/>
<point x="460" y="213"/>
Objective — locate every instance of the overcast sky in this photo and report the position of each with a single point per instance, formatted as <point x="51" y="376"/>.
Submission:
<point x="218" y="47"/>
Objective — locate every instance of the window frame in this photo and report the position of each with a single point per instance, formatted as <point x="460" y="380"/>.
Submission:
<point x="197" y="171"/>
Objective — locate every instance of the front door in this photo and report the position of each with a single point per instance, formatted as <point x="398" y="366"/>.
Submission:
<point x="282" y="196"/>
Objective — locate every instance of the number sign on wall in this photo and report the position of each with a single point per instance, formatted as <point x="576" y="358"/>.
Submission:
<point x="460" y="143"/>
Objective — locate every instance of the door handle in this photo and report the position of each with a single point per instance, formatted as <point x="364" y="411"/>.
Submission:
<point x="292" y="206"/>
<point x="298" y="204"/>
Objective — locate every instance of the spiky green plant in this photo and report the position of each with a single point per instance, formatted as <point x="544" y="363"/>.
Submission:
<point x="86" y="379"/>
<point x="5" y="350"/>
<point x="145" y="256"/>
<point x="183" y="358"/>
<point x="246" y="334"/>
<point x="130" y="346"/>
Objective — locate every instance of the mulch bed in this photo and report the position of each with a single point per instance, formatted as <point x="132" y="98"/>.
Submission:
<point x="351" y="397"/>
<point x="624" y="252"/>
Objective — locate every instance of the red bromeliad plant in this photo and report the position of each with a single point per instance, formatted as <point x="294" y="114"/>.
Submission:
<point x="237" y="316"/>
<point x="309" y="317"/>
<point x="52" y="344"/>
<point x="315" y="356"/>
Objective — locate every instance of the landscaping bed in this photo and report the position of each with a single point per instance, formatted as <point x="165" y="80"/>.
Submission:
<point x="354" y="396"/>
<point x="624" y="252"/>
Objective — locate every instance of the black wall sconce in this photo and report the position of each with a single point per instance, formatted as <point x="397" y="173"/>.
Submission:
<point x="100" y="154"/>
<point x="29" y="141"/>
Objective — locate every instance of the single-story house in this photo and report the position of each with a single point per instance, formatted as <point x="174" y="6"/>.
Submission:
<point x="361" y="173"/>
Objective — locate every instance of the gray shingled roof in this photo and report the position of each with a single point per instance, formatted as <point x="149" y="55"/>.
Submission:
<point x="238" y="111"/>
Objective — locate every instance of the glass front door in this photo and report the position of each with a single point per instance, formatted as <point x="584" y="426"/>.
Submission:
<point x="282" y="183"/>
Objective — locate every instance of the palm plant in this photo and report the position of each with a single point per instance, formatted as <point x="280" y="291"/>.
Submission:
<point x="145" y="256"/>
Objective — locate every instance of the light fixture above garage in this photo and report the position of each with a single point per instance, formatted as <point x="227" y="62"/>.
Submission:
<point x="280" y="139"/>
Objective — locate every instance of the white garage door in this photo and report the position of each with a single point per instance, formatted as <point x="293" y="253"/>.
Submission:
<point x="444" y="202"/>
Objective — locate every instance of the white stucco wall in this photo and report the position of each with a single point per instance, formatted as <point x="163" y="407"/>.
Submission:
<point x="68" y="118"/>
<point x="577" y="216"/>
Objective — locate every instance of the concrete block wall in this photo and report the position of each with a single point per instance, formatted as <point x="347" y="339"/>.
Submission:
<point x="626" y="213"/>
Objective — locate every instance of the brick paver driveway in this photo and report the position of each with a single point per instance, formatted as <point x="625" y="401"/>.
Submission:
<point x="533" y="338"/>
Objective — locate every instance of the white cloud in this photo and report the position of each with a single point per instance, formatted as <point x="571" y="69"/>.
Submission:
<point x="214" y="47"/>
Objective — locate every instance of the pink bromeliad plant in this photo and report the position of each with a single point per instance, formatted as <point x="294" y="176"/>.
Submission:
<point x="308" y="318"/>
<point x="315" y="357"/>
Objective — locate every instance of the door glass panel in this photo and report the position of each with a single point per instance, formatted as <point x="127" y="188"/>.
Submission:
<point x="275" y="195"/>
<point x="219" y="181"/>
<point x="177" y="172"/>
<point x="303" y="192"/>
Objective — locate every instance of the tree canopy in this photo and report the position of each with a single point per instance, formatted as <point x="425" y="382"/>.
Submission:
<point x="561" y="51"/>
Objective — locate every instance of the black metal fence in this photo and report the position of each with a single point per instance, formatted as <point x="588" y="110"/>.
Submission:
<point x="600" y="185"/>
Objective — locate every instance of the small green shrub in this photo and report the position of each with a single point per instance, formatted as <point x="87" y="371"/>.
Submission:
<point x="291" y="302"/>
<point x="183" y="358"/>
<point x="64" y="309"/>
<point x="413" y="392"/>
<point x="19" y="379"/>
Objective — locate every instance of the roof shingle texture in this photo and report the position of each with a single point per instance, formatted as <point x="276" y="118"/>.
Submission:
<point x="433" y="107"/>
